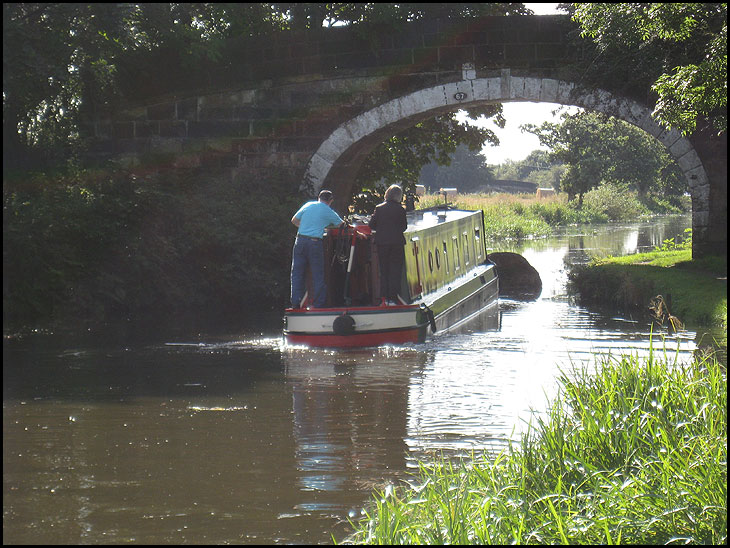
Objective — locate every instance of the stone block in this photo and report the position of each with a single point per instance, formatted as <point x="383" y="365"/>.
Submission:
<point x="215" y="128"/>
<point x="172" y="128"/>
<point x="161" y="145"/>
<point x="144" y="129"/>
<point x="697" y="178"/>
<point x="519" y="55"/>
<point x="336" y="144"/>
<point x="552" y="52"/>
<point x="123" y="130"/>
<point x="668" y="137"/>
<point x="490" y="56"/>
<point x="532" y="89"/>
<point x="565" y="93"/>
<point x="317" y="171"/>
<point x="392" y="57"/>
<point x="487" y="89"/>
<point x="689" y="161"/>
<point x="680" y="147"/>
<point x="548" y="90"/>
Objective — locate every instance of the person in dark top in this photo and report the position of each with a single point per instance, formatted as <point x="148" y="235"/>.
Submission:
<point x="389" y="222"/>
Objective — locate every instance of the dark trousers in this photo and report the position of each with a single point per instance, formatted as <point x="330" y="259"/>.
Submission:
<point x="390" y="261"/>
<point x="308" y="251"/>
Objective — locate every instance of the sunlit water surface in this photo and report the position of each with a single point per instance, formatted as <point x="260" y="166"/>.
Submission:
<point x="239" y="439"/>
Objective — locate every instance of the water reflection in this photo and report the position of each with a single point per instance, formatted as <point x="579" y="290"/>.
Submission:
<point x="349" y="421"/>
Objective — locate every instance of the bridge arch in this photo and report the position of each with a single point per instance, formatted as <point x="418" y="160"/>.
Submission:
<point x="341" y="154"/>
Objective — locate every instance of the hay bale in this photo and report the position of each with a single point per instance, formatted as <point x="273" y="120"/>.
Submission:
<point x="545" y="192"/>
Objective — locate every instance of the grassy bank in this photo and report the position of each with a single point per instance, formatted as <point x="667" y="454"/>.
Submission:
<point x="635" y="453"/>
<point x="694" y="291"/>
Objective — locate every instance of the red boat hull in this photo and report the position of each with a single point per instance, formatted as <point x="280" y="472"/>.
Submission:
<point x="359" y="327"/>
<point x="405" y="336"/>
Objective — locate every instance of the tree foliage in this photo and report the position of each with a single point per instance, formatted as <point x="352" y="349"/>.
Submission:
<point x="687" y="43"/>
<point x="145" y="248"/>
<point x="597" y="149"/>
<point x="401" y="158"/>
<point x="466" y="171"/>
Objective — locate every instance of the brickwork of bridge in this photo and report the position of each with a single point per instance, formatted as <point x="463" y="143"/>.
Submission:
<point x="316" y="104"/>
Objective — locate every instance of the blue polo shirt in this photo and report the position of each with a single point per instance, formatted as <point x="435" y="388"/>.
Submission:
<point x="314" y="217"/>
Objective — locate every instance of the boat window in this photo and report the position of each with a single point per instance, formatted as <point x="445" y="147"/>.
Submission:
<point x="478" y="243"/>
<point x="430" y="261"/>
<point x="466" y="249"/>
<point x="455" y="246"/>
<point x="438" y="258"/>
<point x="417" y="259"/>
<point x="446" y="258"/>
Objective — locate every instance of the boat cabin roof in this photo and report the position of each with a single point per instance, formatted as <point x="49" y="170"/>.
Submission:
<point x="426" y="218"/>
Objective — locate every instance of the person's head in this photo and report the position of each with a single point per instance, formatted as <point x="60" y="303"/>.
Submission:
<point x="394" y="194"/>
<point x="326" y="196"/>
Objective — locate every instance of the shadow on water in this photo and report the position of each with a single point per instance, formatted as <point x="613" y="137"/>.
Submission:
<point x="119" y="374"/>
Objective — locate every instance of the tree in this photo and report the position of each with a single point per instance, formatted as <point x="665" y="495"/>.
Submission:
<point x="596" y="148"/>
<point x="466" y="171"/>
<point x="686" y="41"/>
<point x="56" y="68"/>
<point x="400" y="158"/>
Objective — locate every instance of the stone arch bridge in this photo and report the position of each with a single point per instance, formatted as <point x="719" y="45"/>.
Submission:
<point x="316" y="103"/>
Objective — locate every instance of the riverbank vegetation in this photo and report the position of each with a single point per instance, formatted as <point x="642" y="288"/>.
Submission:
<point x="516" y="216"/>
<point x="632" y="453"/>
<point x="145" y="252"/>
<point x="665" y="285"/>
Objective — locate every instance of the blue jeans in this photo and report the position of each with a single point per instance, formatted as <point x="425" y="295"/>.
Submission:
<point x="308" y="251"/>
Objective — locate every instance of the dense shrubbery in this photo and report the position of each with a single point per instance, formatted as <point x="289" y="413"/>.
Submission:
<point x="156" y="247"/>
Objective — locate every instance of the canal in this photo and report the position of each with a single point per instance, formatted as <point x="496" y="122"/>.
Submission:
<point x="218" y="439"/>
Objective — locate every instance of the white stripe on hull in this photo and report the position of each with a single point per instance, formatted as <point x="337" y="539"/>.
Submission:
<point x="315" y="322"/>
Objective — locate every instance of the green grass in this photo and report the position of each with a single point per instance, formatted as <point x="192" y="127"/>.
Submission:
<point x="695" y="290"/>
<point x="517" y="216"/>
<point x="635" y="452"/>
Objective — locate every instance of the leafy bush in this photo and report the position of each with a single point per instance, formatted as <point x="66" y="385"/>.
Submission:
<point x="614" y="202"/>
<point x="161" y="246"/>
<point x="670" y="245"/>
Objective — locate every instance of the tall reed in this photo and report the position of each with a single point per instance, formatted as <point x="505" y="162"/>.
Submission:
<point x="633" y="452"/>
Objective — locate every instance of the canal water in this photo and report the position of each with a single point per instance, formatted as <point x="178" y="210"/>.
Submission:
<point x="237" y="439"/>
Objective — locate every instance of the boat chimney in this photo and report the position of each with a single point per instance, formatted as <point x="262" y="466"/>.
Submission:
<point x="448" y="193"/>
<point x="410" y="201"/>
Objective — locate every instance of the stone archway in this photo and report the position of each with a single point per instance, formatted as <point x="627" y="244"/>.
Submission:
<point x="343" y="151"/>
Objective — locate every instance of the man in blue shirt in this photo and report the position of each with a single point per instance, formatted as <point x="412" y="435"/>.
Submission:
<point x="311" y="220"/>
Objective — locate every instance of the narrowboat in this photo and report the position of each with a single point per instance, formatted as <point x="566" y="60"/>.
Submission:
<point x="447" y="280"/>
